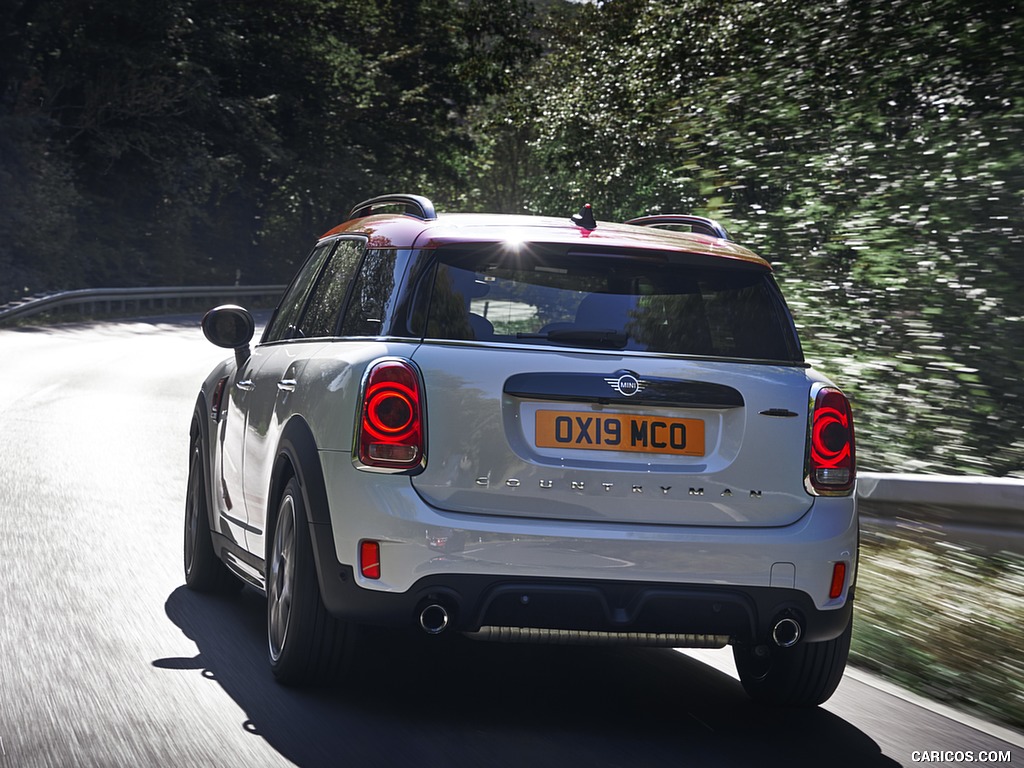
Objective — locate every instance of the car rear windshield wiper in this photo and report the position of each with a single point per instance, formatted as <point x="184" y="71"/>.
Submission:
<point x="609" y="338"/>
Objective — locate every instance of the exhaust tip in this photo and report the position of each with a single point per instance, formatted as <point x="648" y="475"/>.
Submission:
<point x="434" y="619"/>
<point x="787" y="632"/>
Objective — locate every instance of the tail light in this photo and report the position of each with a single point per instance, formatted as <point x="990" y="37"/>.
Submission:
<point x="832" y="460"/>
<point x="390" y="437"/>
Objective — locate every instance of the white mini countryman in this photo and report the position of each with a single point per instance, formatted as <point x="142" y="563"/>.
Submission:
<point x="525" y="428"/>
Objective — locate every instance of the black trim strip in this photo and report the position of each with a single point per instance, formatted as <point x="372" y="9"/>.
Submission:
<point x="224" y="544"/>
<point x="596" y="388"/>
<point x="240" y="523"/>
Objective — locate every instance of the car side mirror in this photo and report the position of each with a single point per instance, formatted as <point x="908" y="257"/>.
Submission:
<point x="231" y="327"/>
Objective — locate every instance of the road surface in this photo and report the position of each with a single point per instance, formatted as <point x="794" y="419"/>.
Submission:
<point x="107" y="660"/>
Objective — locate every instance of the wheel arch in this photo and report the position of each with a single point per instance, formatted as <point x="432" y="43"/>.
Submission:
<point x="298" y="457"/>
<point x="200" y="427"/>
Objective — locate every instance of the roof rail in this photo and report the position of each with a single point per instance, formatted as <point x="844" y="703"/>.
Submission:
<point x="422" y="208"/>
<point x="699" y="224"/>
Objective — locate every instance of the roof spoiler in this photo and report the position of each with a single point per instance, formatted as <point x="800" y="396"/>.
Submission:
<point x="699" y="224"/>
<point x="414" y="205"/>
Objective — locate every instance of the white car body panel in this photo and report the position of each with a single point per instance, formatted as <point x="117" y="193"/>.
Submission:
<point x="485" y="461"/>
<point x="279" y="388"/>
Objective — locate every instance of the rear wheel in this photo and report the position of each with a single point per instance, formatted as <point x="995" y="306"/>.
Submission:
<point x="306" y="644"/>
<point x="802" y="676"/>
<point x="204" y="571"/>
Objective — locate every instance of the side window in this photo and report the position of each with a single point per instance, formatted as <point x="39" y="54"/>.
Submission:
<point x="284" y="324"/>
<point x="325" y="304"/>
<point x="372" y="294"/>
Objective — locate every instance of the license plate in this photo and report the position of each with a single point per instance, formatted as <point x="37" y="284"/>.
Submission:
<point x="619" y="432"/>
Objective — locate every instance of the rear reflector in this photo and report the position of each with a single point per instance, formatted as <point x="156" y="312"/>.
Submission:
<point x="838" y="581"/>
<point x="369" y="559"/>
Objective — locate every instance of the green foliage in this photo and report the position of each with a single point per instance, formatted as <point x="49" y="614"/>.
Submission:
<point x="587" y="124"/>
<point x="872" y="150"/>
<point x="39" y="203"/>
<point x="191" y="142"/>
<point x="882" y="173"/>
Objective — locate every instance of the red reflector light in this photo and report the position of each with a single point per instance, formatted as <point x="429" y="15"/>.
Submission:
<point x="831" y="469"/>
<point x="391" y="434"/>
<point x="369" y="559"/>
<point x="838" y="581"/>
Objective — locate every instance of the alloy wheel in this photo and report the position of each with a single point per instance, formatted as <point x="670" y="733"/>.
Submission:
<point x="280" y="591"/>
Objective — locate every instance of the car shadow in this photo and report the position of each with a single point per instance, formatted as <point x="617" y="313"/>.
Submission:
<point x="449" y="701"/>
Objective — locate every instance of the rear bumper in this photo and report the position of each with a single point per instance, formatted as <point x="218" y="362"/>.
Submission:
<point x="474" y="602"/>
<point x="494" y="571"/>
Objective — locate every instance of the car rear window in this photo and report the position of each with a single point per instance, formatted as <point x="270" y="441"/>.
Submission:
<point x="667" y="303"/>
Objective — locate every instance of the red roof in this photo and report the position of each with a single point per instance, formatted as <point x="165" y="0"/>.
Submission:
<point x="404" y="231"/>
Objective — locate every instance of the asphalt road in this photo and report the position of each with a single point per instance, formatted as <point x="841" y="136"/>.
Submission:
<point x="107" y="660"/>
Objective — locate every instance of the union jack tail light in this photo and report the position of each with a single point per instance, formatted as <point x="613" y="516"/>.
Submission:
<point x="831" y="454"/>
<point x="390" y="435"/>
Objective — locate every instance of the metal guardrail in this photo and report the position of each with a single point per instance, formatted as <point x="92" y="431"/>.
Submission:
<point x="986" y="512"/>
<point x="111" y="300"/>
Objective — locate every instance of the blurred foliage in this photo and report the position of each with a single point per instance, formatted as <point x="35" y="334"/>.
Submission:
<point x="871" y="149"/>
<point x="884" y="174"/>
<point x="951" y="631"/>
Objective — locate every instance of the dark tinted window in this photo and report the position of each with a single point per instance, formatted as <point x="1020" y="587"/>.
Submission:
<point x="284" y="324"/>
<point x="373" y="294"/>
<point x="665" y="303"/>
<point x="324" y="308"/>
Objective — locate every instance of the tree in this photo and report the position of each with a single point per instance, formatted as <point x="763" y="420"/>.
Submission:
<point x="870" y="150"/>
<point x="191" y="141"/>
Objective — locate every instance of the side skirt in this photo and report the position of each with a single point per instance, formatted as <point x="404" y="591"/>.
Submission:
<point x="243" y="564"/>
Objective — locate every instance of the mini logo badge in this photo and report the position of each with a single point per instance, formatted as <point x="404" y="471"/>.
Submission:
<point x="626" y="384"/>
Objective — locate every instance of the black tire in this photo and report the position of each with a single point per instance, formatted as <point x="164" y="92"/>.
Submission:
<point x="805" y="675"/>
<point x="204" y="571"/>
<point x="306" y="644"/>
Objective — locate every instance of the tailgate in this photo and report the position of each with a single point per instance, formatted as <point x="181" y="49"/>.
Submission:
<point x="608" y="438"/>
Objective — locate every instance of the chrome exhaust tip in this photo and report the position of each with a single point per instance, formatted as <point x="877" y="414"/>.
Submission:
<point x="787" y="632"/>
<point x="434" y="619"/>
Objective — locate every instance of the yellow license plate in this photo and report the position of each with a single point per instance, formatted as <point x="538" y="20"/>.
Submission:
<point x="619" y="432"/>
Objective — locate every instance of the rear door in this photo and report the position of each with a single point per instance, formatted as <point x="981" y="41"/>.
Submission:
<point x="307" y="319"/>
<point x="246" y="399"/>
<point x="654" y="388"/>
